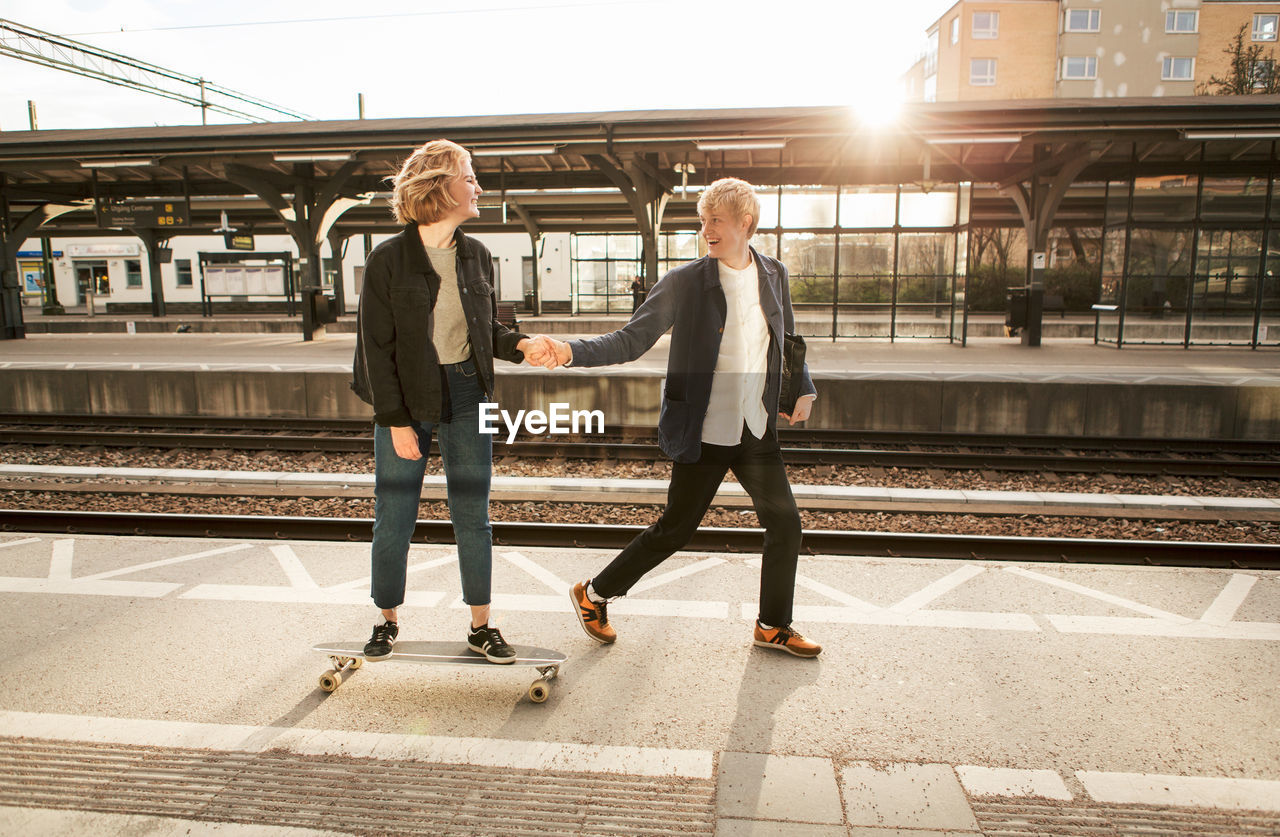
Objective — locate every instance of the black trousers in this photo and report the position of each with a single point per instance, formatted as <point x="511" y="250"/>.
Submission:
<point x="757" y="463"/>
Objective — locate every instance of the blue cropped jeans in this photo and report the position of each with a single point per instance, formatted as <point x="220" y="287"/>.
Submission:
<point x="468" y="466"/>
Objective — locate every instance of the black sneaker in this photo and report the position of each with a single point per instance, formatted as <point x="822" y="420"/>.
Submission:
<point x="488" y="641"/>
<point x="379" y="645"/>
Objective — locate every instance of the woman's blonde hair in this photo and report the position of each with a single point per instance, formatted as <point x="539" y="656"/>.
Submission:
<point x="734" y="196"/>
<point x="420" y="192"/>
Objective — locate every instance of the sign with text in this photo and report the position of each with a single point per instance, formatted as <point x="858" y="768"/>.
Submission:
<point x="144" y="214"/>
<point x="241" y="241"/>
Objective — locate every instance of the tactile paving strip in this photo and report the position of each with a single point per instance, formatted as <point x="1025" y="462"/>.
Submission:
<point x="1089" y="819"/>
<point x="360" y="796"/>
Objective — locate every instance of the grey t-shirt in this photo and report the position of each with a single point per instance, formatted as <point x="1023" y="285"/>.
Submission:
<point x="449" y="322"/>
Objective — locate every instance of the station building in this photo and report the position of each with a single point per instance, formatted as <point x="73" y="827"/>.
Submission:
<point x="1145" y="220"/>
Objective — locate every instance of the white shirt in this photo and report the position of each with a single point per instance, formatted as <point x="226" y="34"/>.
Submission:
<point x="737" y="389"/>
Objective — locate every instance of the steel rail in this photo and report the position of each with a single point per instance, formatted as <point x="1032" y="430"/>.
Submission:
<point x="1253" y="556"/>
<point x="1253" y="448"/>
<point x="1113" y="463"/>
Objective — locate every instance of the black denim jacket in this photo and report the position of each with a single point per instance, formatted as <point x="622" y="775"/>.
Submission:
<point x="396" y="368"/>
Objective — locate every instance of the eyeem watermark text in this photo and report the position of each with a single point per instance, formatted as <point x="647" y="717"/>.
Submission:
<point x="560" y="420"/>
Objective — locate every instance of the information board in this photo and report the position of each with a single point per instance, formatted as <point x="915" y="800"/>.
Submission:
<point x="144" y="214"/>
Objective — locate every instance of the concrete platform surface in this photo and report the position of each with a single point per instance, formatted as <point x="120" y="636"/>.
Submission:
<point x="988" y="359"/>
<point x="950" y="698"/>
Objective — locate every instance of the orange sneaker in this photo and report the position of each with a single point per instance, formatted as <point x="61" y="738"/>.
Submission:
<point x="593" y="616"/>
<point x="786" y="639"/>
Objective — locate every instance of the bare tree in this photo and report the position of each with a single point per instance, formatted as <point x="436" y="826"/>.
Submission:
<point x="1250" y="71"/>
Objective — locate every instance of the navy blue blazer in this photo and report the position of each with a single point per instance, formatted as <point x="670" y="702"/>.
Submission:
<point x="690" y="301"/>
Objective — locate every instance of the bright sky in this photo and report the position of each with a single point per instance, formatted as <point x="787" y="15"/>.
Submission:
<point x="471" y="57"/>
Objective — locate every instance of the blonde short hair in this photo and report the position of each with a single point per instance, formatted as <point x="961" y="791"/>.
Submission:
<point x="733" y="195"/>
<point x="420" y="192"/>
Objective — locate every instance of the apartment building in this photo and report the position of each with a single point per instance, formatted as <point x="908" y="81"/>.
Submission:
<point x="1020" y="49"/>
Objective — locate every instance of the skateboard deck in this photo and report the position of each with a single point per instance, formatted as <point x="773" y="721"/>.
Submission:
<point x="349" y="656"/>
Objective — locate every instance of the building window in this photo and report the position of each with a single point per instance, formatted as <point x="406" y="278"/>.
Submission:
<point x="986" y="25"/>
<point x="133" y="273"/>
<point x="183" y="266"/>
<point x="1265" y="26"/>
<point x="931" y="56"/>
<point x="955" y="29"/>
<point x="982" y="72"/>
<point x="1083" y="20"/>
<point x="1261" y="72"/>
<point x="1178" y="69"/>
<point x="1079" y="67"/>
<point x="1180" y="22"/>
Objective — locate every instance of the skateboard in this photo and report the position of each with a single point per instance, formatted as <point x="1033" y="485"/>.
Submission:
<point x="349" y="656"/>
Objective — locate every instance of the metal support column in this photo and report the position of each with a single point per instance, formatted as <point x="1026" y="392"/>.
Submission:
<point x="153" y="243"/>
<point x="308" y="249"/>
<point x="338" y="247"/>
<point x="11" y="325"/>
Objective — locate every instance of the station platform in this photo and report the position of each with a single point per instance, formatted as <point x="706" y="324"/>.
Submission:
<point x="1066" y="386"/>
<point x="951" y="698"/>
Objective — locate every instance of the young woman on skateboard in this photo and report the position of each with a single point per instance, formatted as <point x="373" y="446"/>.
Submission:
<point x="426" y="342"/>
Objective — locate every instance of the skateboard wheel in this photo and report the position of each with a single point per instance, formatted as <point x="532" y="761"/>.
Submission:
<point x="356" y="663"/>
<point x="330" y="680"/>
<point x="539" y="690"/>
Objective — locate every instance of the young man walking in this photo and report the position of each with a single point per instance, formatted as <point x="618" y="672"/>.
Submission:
<point x="727" y="312"/>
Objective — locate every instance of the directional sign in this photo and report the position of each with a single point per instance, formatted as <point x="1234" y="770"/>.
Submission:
<point x="241" y="241"/>
<point x="144" y="214"/>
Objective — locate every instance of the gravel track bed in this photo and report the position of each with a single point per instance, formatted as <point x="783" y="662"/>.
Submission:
<point x="645" y="514"/>
<point x="800" y="475"/>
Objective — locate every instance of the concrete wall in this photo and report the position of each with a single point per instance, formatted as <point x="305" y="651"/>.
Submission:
<point x="1076" y="409"/>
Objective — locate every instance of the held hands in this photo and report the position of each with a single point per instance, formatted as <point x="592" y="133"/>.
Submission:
<point x="541" y="350"/>
<point x="804" y="406"/>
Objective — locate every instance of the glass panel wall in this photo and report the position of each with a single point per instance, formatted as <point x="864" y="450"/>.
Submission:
<point x="842" y="249"/>
<point x="866" y="283"/>
<point x="1269" y="322"/>
<point x="1223" y="296"/>
<point x="926" y="263"/>
<point x="603" y="268"/>
<point x="1156" y="285"/>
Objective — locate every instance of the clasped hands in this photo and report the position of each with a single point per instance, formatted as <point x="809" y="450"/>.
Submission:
<point x="548" y="352"/>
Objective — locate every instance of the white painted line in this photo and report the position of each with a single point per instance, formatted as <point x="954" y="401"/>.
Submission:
<point x="60" y="564"/>
<point x="299" y="578"/>
<point x="937" y="589"/>
<point x="364" y="583"/>
<point x="830" y="592"/>
<point x="20" y="542"/>
<point x="1099" y="595"/>
<point x="294" y="595"/>
<point x="45" y="821"/>
<point x="80" y="587"/>
<point x="548" y="578"/>
<point x="1182" y="791"/>
<point x="979" y="620"/>
<point x="1004" y="781"/>
<point x="167" y="561"/>
<point x="484" y="752"/>
<point x="1224" y="607"/>
<point x="1133" y="626"/>
<point x="542" y="603"/>
<point x="674" y="575"/>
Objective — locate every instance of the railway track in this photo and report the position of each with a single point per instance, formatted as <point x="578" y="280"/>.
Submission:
<point x="1241" y="459"/>
<point x="596" y="536"/>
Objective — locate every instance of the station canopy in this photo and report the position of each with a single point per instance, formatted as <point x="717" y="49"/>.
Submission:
<point x="624" y="170"/>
